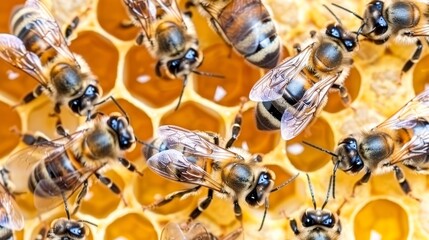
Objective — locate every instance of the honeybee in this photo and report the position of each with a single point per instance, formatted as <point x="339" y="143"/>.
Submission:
<point x="38" y="47"/>
<point x="11" y="217"/>
<point x="196" y="157"/>
<point x="169" y="35"/>
<point x="317" y="223"/>
<point x="194" y="231"/>
<point x="404" y="21"/>
<point x="6" y="234"/>
<point x="401" y="139"/>
<point x="247" y="26"/>
<point x="51" y="169"/>
<point x="292" y="94"/>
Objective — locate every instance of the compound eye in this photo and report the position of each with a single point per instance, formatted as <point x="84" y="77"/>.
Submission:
<point x="125" y="140"/>
<point x="173" y="66"/>
<point x="328" y="221"/>
<point x="333" y="31"/>
<point x="349" y="44"/>
<point x="307" y="221"/>
<point x="113" y="123"/>
<point x="76" y="105"/>
<point x="191" y="55"/>
<point x="77" y="231"/>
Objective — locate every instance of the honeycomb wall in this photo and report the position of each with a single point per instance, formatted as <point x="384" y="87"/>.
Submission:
<point x="125" y="71"/>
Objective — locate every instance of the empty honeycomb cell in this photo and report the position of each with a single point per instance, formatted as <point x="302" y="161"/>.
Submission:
<point x="9" y="139"/>
<point x="101" y="56"/>
<point x="110" y="15"/>
<point x="283" y="195"/>
<point x="194" y="116"/>
<point x="421" y="75"/>
<point x="153" y="187"/>
<point x="306" y="158"/>
<point x="378" y="218"/>
<point x="140" y="79"/>
<point x="352" y="83"/>
<point x="139" y="121"/>
<point x="131" y="226"/>
<point x="238" y="76"/>
<point x="100" y="201"/>
<point x="264" y="143"/>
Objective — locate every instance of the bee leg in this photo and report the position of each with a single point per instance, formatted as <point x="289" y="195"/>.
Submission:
<point x="414" y="58"/>
<point x="31" y="96"/>
<point x="237" y="211"/>
<point x="403" y="183"/>
<point x="60" y="128"/>
<point x="71" y="27"/>
<point x="236" y="127"/>
<point x="365" y="178"/>
<point x="170" y="197"/>
<point x="297" y="48"/>
<point x="129" y="166"/>
<point x="203" y="205"/>
<point x="294" y="226"/>
<point x="344" y="94"/>
<point x="80" y="196"/>
<point x="111" y="185"/>
<point x="189" y="4"/>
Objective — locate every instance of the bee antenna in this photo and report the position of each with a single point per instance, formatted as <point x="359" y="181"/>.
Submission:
<point x="347" y="10"/>
<point x="265" y="213"/>
<point x="333" y="14"/>
<point x="319" y="148"/>
<point x="185" y="80"/>
<point x="311" y="191"/>
<point x="88" y="222"/>
<point x="334" y="172"/>
<point x="65" y="205"/>
<point x="113" y="99"/>
<point x="145" y="143"/>
<point x="285" y="183"/>
<point x="208" y="74"/>
<point x="328" y="193"/>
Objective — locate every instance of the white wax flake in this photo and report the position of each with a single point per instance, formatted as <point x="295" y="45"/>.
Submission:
<point x="426" y="86"/>
<point x="143" y="78"/>
<point x="121" y="238"/>
<point x="245" y="146"/>
<point x="374" y="235"/>
<point x="219" y="93"/>
<point x="11" y="75"/>
<point x="295" y="149"/>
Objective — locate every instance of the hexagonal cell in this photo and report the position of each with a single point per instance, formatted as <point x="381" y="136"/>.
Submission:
<point x="100" y="54"/>
<point x="378" y="218"/>
<point x="421" y="75"/>
<point x="140" y="79"/>
<point x="110" y="15"/>
<point x="100" y="201"/>
<point x="221" y="212"/>
<point x="154" y="187"/>
<point x="131" y="226"/>
<point x="264" y="143"/>
<point x="9" y="139"/>
<point x="5" y="12"/>
<point x="352" y="83"/>
<point x="194" y="116"/>
<point x="283" y="195"/>
<point x="306" y="158"/>
<point x="239" y="76"/>
<point x="139" y="120"/>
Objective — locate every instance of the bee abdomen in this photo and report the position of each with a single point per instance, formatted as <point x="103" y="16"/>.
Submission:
<point x="250" y="29"/>
<point x="268" y="116"/>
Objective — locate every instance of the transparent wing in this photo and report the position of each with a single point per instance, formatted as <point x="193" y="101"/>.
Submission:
<point x="13" y="51"/>
<point x="173" y="231"/>
<point x="171" y="8"/>
<point x="415" y="112"/>
<point x="46" y="27"/>
<point x="296" y="118"/>
<point x="271" y="86"/>
<point x="191" y="143"/>
<point x="173" y="165"/>
<point x="10" y="213"/>
<point x="233" y="235"/>
<point x="47" y="200"/>
<point x="22" y="163"/>
<point x="144" y="12"/>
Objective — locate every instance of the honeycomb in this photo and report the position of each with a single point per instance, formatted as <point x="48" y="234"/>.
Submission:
<point x="379" y="211"/>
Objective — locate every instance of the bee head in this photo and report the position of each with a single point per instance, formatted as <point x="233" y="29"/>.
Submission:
<point x="347" y="39"/>
<point x="68" y="229"/>
<point x="347" y="156"/>
<point x="123" y="131"/>
<point x="376" y="23"/>
<point x="262" y="188"/>
<point x="85" y="102"/>
<point x="180" y="67"/>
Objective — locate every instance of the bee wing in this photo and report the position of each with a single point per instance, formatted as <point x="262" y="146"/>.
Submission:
<point x="144" y="12"/>
<point x="13" y="51"/>
<point x="22" y="163"/>
<point x="171" y="8"/>
<point x="50" y="200"/>
<point x="296" y="118"/>
<point x="47" y="28"/>
<point x="10" y="213"/>
<point x="191" y="143"/>
<point x="173" y="231"/>
<point x="271" y="86"/>
<point x="416" y="110"/>
<point x="173" y="165"/>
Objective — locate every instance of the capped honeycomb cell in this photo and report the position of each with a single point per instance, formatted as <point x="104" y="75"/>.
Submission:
<point x="140" y="79"/>
<point x="306" y="158"/>
<point x="377" y="219"/>
<point x="131" y="226"/>
<point x="101" y="56"/>
<point x="238" y="76"/>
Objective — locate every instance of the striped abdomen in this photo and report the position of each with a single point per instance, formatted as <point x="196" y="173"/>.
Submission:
<point x="420" y="163"/>
<point x="250" y="29"/>
<point x="47" y="173"/>
<point x="269" y="114"/>
<point x="22" y="23"/>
